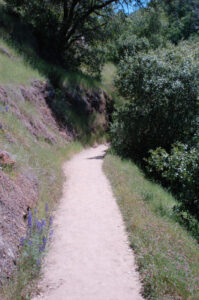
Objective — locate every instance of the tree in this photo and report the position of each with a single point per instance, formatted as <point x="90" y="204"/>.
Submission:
<point x="64" y="22"/>
<point x="183" y="18"/>
<point x="161" y="89"/>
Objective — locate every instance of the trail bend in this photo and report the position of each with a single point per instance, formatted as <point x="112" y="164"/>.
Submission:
<point x="89" y="258"/>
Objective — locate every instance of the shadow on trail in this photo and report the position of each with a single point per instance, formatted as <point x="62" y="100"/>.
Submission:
<point x="97" y="157"/>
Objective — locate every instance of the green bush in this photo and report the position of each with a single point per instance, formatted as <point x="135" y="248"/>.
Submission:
<point x="180" y="171"/>
<point x="162" y="92"/>
<point x="129" y="45"/>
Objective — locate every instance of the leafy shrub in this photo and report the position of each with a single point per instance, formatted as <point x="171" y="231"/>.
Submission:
<point x="180" y="171"/>
<point x="129" y="45"/>
<point x="162" y="92"/>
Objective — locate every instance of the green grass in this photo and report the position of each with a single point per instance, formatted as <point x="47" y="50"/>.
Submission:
<point x="24" y="66"/>
<point x="15" y="70"/>
<point x="167" y="256"/>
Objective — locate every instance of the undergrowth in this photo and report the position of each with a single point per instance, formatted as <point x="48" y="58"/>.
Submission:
<point x="167" y="256"/>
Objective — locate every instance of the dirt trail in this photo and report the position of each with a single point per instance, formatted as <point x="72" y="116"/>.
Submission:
<point x="89" y="258"/>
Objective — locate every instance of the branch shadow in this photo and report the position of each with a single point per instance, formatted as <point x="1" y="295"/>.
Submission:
<point x="99" y="156"/>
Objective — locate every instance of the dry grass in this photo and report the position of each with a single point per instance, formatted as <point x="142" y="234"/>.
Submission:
<point x="167" y="256"/>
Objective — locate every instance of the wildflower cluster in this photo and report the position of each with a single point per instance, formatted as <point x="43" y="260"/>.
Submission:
<point x="4" y="110"/>
<point x="39" y="232"/>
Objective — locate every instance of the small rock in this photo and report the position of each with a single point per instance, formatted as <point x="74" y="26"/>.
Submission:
<point x="5" y="159"/>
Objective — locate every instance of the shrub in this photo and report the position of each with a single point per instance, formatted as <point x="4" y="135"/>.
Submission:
<point x="129" y="45"/>
<point x="180" y="171"/>
<point x="162" y="92"/>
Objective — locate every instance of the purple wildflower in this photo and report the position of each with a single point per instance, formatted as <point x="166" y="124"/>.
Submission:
<point x="38" y="263"/>
<point x="39" y="226"/>
<point x="22" y="241"/>
<point x="44" y="240"/>
<point x="30" y="243"/>
<point x="43" y="245"/>
<point x="35" y="210"/>
<point x="7" y="107"/>
<point x="43" y="223"/>
<point x="29" y="219"/>
<point x="51" y="221"/>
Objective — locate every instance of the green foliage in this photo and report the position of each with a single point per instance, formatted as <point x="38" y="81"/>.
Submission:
<point x="183" y="17"/>
<point x="129" y="45"/>
<point x="93" y="60"/>
<point x="180" y="170"/>
<point x="138" y="32"/>
<point x="162" y="92"/>
<point x="67" y="30"/>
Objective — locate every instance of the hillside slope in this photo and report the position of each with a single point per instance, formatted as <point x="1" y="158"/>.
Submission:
<point x="29" y="133"/>
<point x="38" y="128"/>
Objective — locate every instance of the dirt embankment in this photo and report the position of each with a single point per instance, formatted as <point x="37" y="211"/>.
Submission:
<point x="27" y="108"/>
<point x="19" y="189"/>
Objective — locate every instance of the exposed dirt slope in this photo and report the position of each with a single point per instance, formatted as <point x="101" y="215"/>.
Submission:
<point x="25" y="120"/>
<point x="89" y="258"/>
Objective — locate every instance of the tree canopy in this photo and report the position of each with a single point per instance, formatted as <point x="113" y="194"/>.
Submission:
<point x="66" y="21"/>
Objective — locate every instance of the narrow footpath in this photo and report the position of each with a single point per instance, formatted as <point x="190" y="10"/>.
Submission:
<point x="89" y="258"/>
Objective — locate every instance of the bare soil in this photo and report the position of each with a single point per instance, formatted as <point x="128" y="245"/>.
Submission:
<point x="89" y="258"/>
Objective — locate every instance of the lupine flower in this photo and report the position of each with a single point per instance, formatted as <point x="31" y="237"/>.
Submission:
<point x="51" y="221"/>
<point x="39" y="226"/>
<point x="29" y="219"/>
<point x="30" y="243"/>
<point x="38" y="263"/>
<point x="22" y="241"/>
<point x="35" y="210"/>
<point x="43" y="246"/>
<point x="44" y="240"/>
<point x="7" y="107"/>
<point x="43" y="223"/>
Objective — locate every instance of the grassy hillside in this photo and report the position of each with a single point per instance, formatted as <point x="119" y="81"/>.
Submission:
<point x="31" y="135"/>
<point x="14" y="69"/>
<point x="167" y="256"/>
